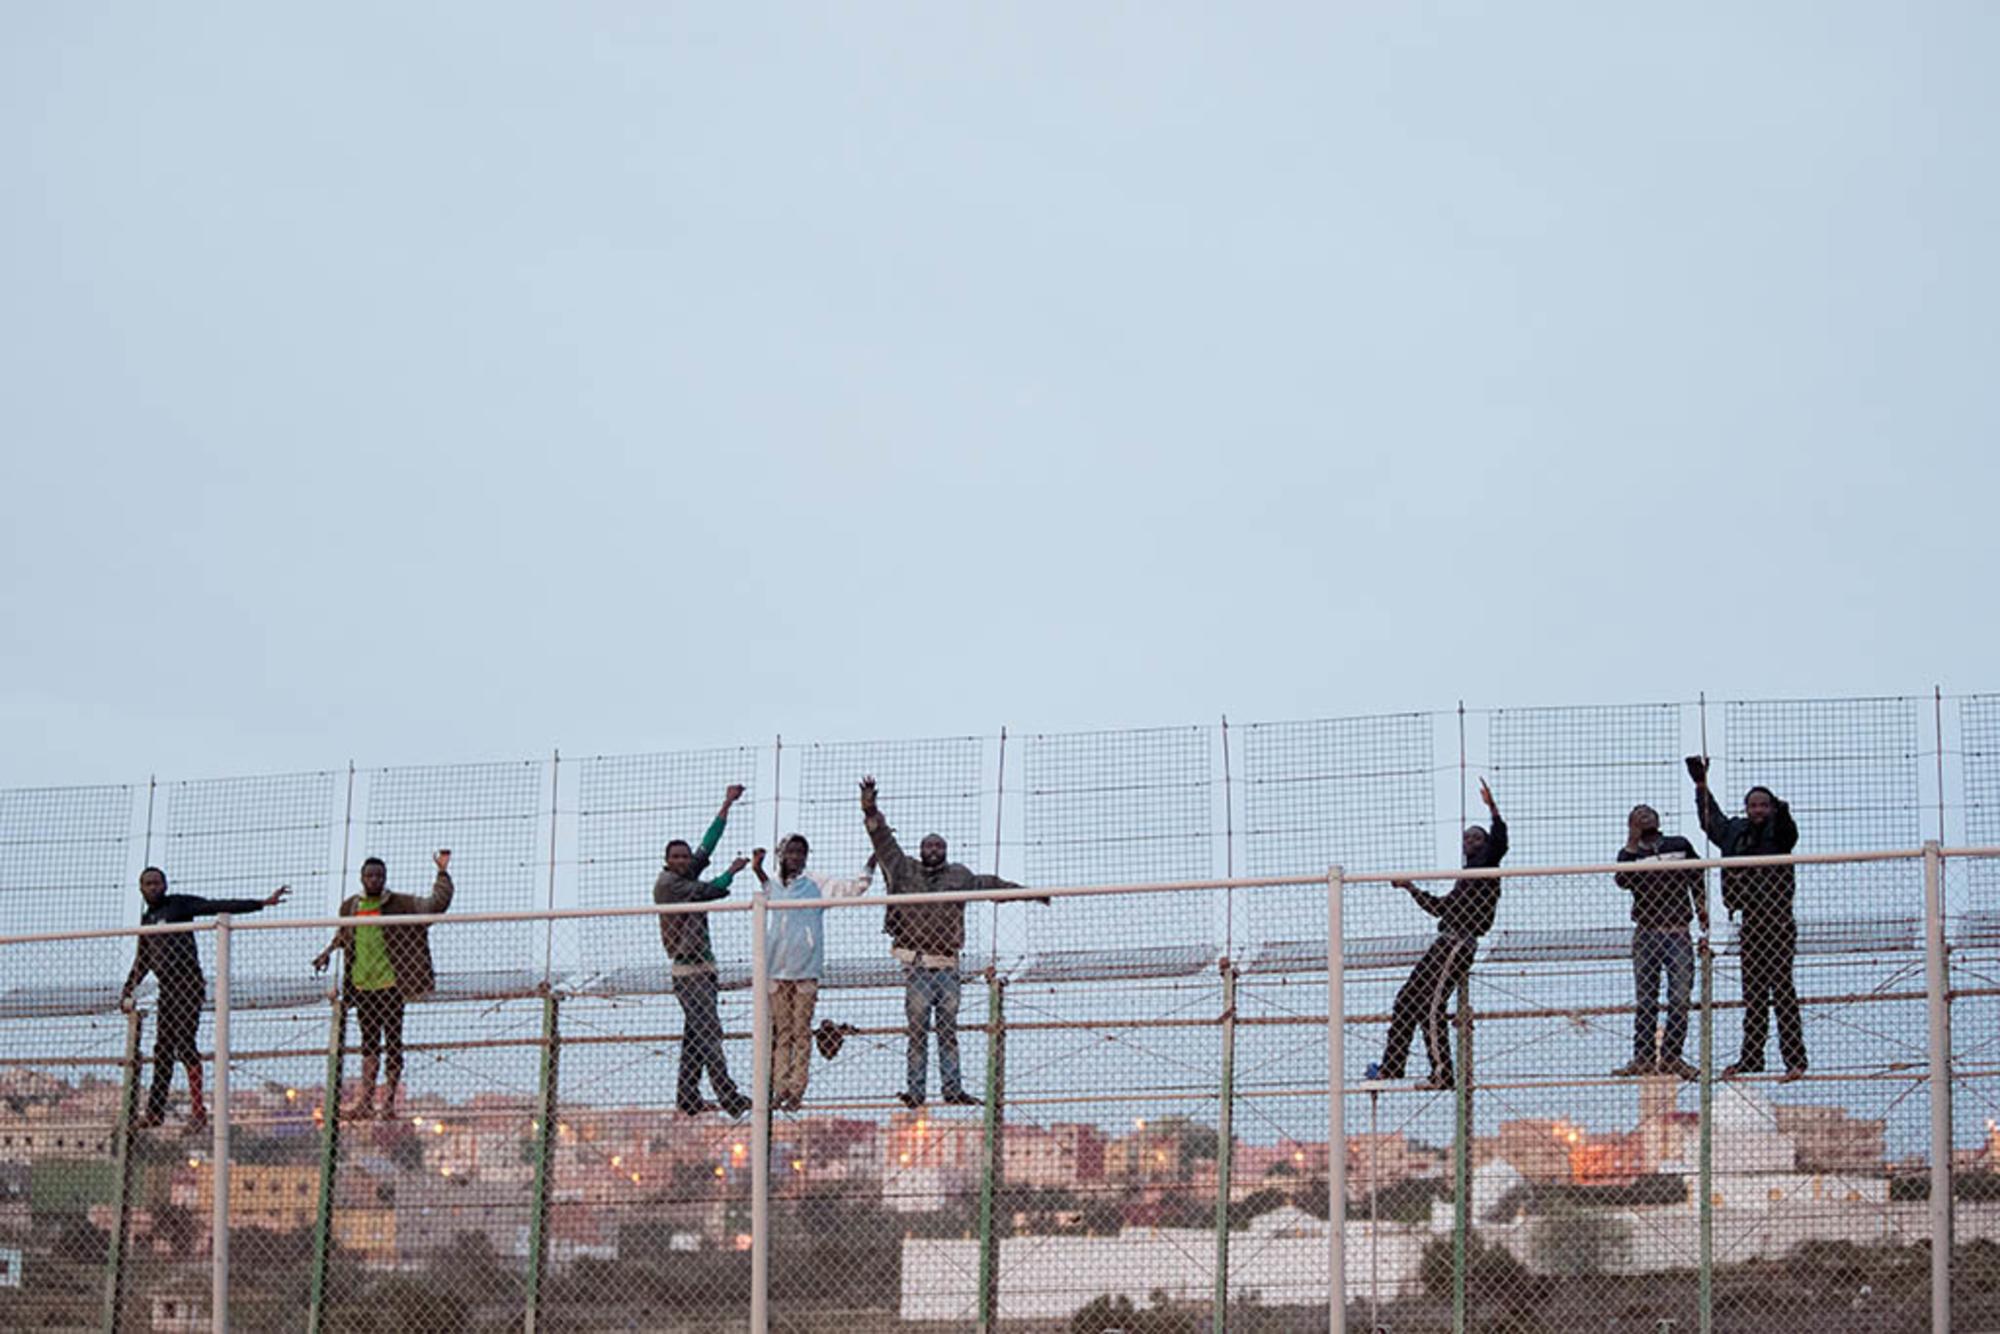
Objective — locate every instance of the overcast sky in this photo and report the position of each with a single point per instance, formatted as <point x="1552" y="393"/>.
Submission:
<point x="452" y="382"/>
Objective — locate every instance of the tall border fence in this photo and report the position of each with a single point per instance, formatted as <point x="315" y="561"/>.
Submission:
<point x="1146" y="1098"/>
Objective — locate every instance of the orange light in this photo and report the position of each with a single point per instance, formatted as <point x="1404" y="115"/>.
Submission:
<point x="635" y="1178"/>
<point x="291" y="1095"/>
<point x="719" y="1171"/>
<point x="618" y="1160"/>
<point x="798" y="1165"/>
<point x="905" y="1160"/>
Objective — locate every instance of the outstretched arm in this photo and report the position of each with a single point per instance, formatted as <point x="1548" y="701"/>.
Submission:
<point x="1713" y="822"/>
<point x="1496" y="835"/>
<point x="713" y="835"/>
<point x="888" y="853"/>
<point x="1430" y="903"/>
<point x="851" y="887"/>
<point x="141" y="965"/>
<point x="441" y="888"/>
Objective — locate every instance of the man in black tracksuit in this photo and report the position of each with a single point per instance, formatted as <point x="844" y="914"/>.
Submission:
<point x="175" y="964"/>
<point x="1464" y="915"/>
<point x="1769" y="935"/>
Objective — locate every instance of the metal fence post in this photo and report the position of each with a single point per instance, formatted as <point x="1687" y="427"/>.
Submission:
<point x="545" y="1142"/>
<point x="1336" y="1109"/>
<point x="1705" y="1168"/>
<point x="993" y="1153"/>
<point x="760" y="1115"/>
<point x="121" y="1141"/>
<point x="1937" y="982"/>
<point x="1461" y="1222"/>
<point x="1225" y="1132"/>
<point x="329" y="1165"/>
<point x="218" y="1294"/>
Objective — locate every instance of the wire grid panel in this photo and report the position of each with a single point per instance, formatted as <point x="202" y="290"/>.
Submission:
<point x="1568" y="778"/>
<point x="649" y="1209"/>
<point x="489" y="817"/>
<point x="628" y="807"/>
<point x="1108" y="1162"/>
<point x="925" y="787"/>
<point x="1352" y="792"/>
<point x="61" y="1080"/>
<point x="242" y="838"/>
<point x="1848" y="768"/>
<point x="1112" y="808"/>
<point x="64" y="856"/>
<point x="857" y="1178"/>
<point x="1979" y="739"/>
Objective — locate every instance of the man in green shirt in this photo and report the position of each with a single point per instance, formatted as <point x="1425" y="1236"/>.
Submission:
<point x="386" y="966"/>
<point x="685" y="936"/>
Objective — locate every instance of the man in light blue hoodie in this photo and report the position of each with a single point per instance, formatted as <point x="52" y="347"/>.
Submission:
<point x="795" y="955"/>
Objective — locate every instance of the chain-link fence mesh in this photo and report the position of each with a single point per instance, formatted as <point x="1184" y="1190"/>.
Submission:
<point x="1145" y="1116"/>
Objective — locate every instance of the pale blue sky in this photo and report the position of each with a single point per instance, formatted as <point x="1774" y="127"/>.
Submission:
<point x="454" y="381"/>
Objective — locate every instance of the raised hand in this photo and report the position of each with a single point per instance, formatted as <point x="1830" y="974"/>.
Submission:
<point x="868" y="795"/>
<point x="738" y="865"/>
<point x="1406" y="885"/>
<point x="277" y="896"/>
<point x="319" y="961"/>
<point x="731" y="795"/>
<point x="443" y="859"/>
<point x="757" y="860"/>
<point x="1486" y="795"/>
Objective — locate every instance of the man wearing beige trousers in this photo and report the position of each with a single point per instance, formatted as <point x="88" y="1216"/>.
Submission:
<point x="794" y="957"/>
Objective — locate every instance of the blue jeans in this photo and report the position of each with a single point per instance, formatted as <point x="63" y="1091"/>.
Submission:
<point x="928" y="992"/>
<point x="1657" y="952"/>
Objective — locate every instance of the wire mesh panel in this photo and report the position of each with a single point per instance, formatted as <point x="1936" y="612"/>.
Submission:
<point x="236" y="840"/>
<point x="1120" y="808"/>
<point x="628" y="807"/>
<point x="1351" y="792"/>
<point x="925" y="787"/>
<point x="489" y="817"/>
<point x="1979" y="727"/>
<point x="64" y="857"/>
<point x="1568" y="777"/>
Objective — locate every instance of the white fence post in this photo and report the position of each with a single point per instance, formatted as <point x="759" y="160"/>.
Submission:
<point x="218" y="1112"/>
<point x="1937" y="982"/>
<point x="1336" y="1111"/>
<point x="760" y="1116"/>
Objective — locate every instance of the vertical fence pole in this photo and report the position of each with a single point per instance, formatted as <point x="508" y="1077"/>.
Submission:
<point x="1461" y="1224"/>
<point x="121" y="1181"/>
<point x="993" y="1151"/>
<point x="1336" y="1109"/>
<point x="760" y="1115"/>
<point x="1225" y="1140"/>
<point x="329" y="1166"/>
<point x="219" y="1112"/>
<point x="1705" y="1167"/>
<point x="549" y="927"/>
<point x="546" y="1139"/>
<point x="1228" y="849"/>
<point x="1936" y="984"/>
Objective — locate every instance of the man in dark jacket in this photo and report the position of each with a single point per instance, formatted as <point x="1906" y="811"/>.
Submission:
<point x="174" y="961"/>
<point x="1664" y="901"/>
<point x="1769" y="935"/>
<point x="926" y="937"/>
<point x="1464" y="915"/>
<point x="385" y="967"/>
<point x="685" y="936"/>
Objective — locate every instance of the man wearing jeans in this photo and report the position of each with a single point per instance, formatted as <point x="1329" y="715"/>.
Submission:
<point x="1664" y="901"/>
<point x="926" y="937"/>
<point x="685" y="936"/>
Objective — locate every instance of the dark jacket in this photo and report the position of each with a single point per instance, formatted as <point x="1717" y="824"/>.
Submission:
<point x="173" y="959"/>
<point x="1468" y="908"/>
<point x="409" y="947"/>
<point x="927" y="928"/>
<point x="1760" y="893"/>
<point x="1666" y="900"/>
<point x="685" y="935"/>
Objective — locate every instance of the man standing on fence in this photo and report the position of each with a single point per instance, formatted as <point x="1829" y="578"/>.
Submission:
<point x="1664" y="901"/>
<point x="385" y="968"/>
<point x="1464" y="915"/>
<point x="685" y="936"/>
<point x="1769" y="935"/>
<point x="176" y="965"/>
<point x="794" y="957"/>
<point x="926" y="937"/>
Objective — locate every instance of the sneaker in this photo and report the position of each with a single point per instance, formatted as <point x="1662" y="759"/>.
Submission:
<point x="1793" y="1074"/>
<point x="910" y="1100"/>
<point x="960" y="1098"/>
<point x="694" y="1108"/>
<point x="1632" y="1069"/>
<point x="735" y="1107"/>
<point x="1677" y="1066"/>
<point x="1375" y="1074"/>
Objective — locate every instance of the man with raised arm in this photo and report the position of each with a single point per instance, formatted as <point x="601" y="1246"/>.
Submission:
<point x="384" y="968"/>
<point x="1769" y="935"/>
<point x="176" y="964"/>
<point x="685" y="936"/>
<point x="1464" y="915"/>
<point x="926" y="938"/>
<point x="794" y="956"/>
<point x="1664" y="901"/>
